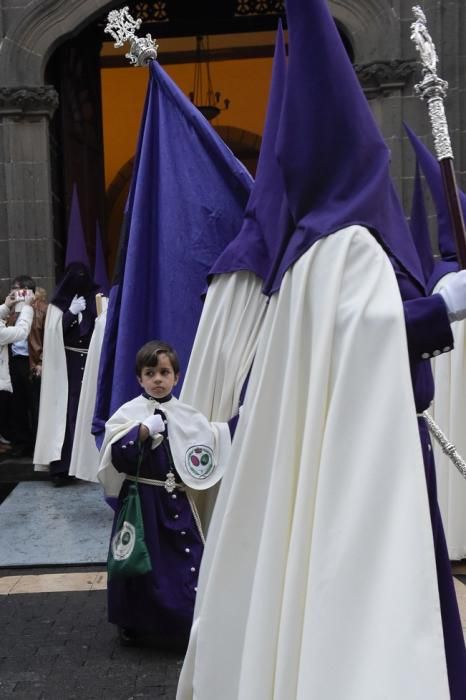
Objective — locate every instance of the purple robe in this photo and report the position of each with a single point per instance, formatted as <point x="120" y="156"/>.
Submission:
<point x="159" y="604"/>
<point x="76" y="281"/>
<point x="429" y="334"/>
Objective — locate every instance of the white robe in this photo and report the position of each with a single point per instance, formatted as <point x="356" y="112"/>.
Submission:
<point x="449" y="412"/>
<point x="85" y="457"/>
<point x="53" y="393"/>
<point x="225" y="344"/>
<point x="222" y="355"/>
<point x="318" y="579"/>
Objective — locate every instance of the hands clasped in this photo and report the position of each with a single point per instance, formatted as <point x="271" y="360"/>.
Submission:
<point x="77" y="305"/>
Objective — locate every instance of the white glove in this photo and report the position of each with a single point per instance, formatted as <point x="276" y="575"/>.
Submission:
<point x="454" y="295"/>
<point x="78" y="304"/>
<point x="154" y="424"/>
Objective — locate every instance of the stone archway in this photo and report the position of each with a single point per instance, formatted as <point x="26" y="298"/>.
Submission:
<point x="30" y="41"/>
<point x="371" y="26"/>
<point x="26" y="106"/>
<point x="30" y="37"/>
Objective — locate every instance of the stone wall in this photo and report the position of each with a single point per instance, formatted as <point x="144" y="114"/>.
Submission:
<point x="30" y="30"/>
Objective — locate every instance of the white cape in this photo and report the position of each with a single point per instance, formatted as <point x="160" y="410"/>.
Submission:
<point x="53" y="393"/>
<point x="222" y="355"/>
<point x="187" y="430"/>
<point x="225" y="344"/>
<point x="85" y="455"/>
<point x="318" y="580"/>
<point x="449" y="412"/>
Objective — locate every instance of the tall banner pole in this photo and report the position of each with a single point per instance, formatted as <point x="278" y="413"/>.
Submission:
<point x="433" y="91"/>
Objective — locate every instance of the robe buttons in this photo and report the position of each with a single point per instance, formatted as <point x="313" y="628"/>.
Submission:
<point x="425" y="355"/>
<point x="123" y="447"/>
<point x="131" y="442"/>
<point x="447" y="348"/>
<point x="193" y="569"/>
<point x="436" y="352"/>
<point x="195" y="589"/>
<point x="187" y="550"/>
<point x="183" y="532"/>
<point x="176" y="516"/>
<point x="429" y="447"/>
<point x="173" y="495"/>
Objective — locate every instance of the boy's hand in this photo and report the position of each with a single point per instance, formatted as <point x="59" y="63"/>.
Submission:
<point x="154" y="424"/>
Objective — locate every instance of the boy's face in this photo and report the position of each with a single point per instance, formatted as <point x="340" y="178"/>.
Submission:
<point x="158" y="381"/>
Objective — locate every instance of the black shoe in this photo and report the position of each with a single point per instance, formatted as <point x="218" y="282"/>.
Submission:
<point x="128" y="638"/>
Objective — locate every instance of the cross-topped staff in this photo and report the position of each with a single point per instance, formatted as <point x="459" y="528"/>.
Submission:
<point x="122" y="26"/>
<point x="433" y="90"/>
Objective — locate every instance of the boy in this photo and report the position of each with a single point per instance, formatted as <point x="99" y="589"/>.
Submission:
<point x="158" y="606"/>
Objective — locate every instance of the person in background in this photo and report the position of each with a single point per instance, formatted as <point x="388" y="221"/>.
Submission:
<point x="11" y="334"/>
<point x="36" y="346"/>
<point x="68" y="330"/>
<point x="25" y="370"/>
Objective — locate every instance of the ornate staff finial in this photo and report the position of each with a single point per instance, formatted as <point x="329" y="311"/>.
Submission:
<point x="122" y="26"/>
<point x="432" y="89"/>
<point x="423" y="41"/>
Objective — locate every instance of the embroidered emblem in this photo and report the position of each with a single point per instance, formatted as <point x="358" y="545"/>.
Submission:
<point x="199" y="461"/>
<point x="123" y="542"/>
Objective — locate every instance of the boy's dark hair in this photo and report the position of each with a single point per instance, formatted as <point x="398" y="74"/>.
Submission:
<point x="25" y="282"/>
<point x="148" y="356"/>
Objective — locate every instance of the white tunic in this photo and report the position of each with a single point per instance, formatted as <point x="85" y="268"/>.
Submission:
<point x="53" y="393"/>
<point x="449" y="411"/>
<point x="318" y="580"/>
<point x="85" y="456"/>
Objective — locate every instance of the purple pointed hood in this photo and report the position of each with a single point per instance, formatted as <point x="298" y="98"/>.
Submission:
<point x="76" y="250"/>
<point x="334" y="160"/>
<point x="254" y="247"/>
<point x="77" y="280"/>
<point x="420" y="227"/>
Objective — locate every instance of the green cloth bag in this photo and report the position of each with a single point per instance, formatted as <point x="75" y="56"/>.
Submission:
<point x="128" y="554"/>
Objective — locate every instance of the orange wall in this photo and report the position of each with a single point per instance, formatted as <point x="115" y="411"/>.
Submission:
<point x="245" y="82"/>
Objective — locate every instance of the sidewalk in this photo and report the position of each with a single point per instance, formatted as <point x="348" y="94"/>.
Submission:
<point x="59" y="646"/>
<point x="56" y="643"/>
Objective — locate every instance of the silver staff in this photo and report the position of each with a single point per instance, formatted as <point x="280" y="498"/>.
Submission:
<point x="433" y="90"/>
<point x="447" y="447"/>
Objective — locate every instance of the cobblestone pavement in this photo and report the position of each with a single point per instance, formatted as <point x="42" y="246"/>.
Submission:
<point x="59" y="646"/>
<point x="56" y="643"/>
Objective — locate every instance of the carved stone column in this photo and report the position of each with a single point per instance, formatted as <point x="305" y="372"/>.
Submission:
<point x="26" y="232"/>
